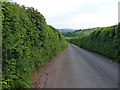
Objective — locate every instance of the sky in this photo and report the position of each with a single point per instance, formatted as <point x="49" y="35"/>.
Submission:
<point x="76" y="14"/>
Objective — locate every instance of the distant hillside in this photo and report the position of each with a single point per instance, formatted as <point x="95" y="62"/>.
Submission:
<point x="79" y="32"/>
<point x="66" y="30"/>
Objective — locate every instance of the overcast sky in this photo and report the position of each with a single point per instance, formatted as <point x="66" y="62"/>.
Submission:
<point x="76" y="14"/>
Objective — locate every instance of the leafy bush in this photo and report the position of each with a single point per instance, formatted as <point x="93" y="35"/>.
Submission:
<point x="103" y="41"/>
<point x="28" y="42"/>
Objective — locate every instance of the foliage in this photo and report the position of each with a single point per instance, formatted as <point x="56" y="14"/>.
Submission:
<point x="103" y="41"/>
<point x="0" y="46"/>
<point x="28" y="42"/>
<point x="0" y="25"/>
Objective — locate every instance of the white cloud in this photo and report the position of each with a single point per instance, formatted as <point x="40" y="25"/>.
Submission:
<point x="76" y="13"/>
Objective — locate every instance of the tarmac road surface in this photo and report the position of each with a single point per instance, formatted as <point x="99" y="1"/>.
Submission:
<point x="78" y="68"/>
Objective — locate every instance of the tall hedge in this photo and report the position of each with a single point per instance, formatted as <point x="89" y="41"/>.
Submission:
<point x="105" y="41"/>
<point x="28" y="42"/>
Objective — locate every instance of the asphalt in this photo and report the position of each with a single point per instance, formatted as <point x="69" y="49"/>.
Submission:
<point x="78" y="68"/>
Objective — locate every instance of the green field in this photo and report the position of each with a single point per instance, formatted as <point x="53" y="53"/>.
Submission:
<point x="78" y="33"/>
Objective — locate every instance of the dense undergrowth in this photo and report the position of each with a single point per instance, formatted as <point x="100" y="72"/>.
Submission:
<point x="28" y="42"/>
<point x="105" y="41"/>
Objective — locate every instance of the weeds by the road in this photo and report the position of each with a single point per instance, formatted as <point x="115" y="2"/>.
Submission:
<point x="28" y="42"/>
<point x="105" y="41"/>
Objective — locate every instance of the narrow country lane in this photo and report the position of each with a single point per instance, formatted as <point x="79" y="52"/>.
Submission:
<point x="78" y="68"/>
